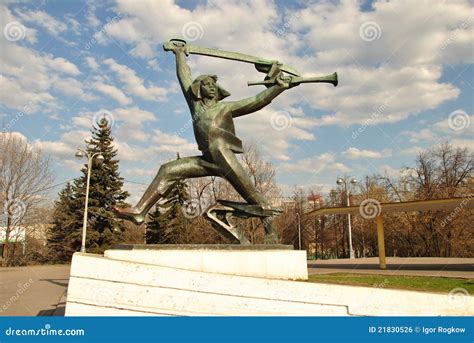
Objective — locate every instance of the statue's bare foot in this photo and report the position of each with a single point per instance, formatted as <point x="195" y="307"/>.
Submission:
<point x="130" y="213"/>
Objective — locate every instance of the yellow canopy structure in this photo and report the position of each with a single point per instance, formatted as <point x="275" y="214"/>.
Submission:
<point x="372" y="209"/>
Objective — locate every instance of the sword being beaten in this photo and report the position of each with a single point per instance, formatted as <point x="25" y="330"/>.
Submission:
<point x="261" y="64"/>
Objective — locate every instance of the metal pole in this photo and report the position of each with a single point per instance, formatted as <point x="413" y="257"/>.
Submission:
<point x="299" y="231"/>
<point x="351" y="250"/>
<point x="84" y="223"/>
<point x="381" y="242"/>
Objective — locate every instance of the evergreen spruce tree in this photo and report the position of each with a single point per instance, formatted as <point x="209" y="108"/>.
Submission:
<point x="167" y="224"/>
<point x="103" y="228"/>
<point x="105" y="191"/>
<point x="59" y="242"/>
<point x="154" y="232"/>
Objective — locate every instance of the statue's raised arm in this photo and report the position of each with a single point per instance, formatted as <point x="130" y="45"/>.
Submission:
<point x="183" y="71"/>
<point x="262" y="99"/>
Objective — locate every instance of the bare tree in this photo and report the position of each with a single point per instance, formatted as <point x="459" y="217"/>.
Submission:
<point x="24" y="175"/>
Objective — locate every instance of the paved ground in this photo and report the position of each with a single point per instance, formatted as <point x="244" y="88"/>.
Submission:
<point x="33" y="291"/>
<point x="419" y="266"/>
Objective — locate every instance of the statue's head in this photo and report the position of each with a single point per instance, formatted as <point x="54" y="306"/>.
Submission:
<point x="206" y="87"/>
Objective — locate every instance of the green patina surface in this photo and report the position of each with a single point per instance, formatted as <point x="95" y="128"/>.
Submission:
<point x="214" y="130"/>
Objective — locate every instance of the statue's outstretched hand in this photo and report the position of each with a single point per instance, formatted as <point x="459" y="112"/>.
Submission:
<point x="177" y="46"/>
<point x="283" y="81"/>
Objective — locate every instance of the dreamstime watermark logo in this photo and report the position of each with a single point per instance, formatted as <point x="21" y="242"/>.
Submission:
<point x="287" y="24"/>
<point x="47" y="330"/>
<point x="103" y="31"/>
<point x="458" y="297"/>
<point x="453" y="35"/>
<point x="14" y="31"/>
<point x="102" y="295"/>
<point x="192" y="31"/>
<point x="370" y="208"/>
<point x="459" y="120"/>
<point x="382" y="284"/>
<point x="194" y="207"/>
<point x="100" y="115"/>
<point x="102" y="212"/>
<point x="378" y="111"/>
<point x="22" y="287"/>
<point x="25" y="110"/>
<point x="281" y="120"/>
<point x="15" y="209"/>
<point x="184" y="128"/>
<point x="449" y="218"/>
<point x="370" y="31"/>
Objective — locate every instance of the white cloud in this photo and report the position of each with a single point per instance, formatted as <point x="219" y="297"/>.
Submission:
<point x="131" y="132"/>
<point x="91" y="18"/>
<point x="57" y="149"/>
<point x="129" y="152"/>
<point x="393" y="77"/>
<point x="133" y="115"/>
<point x="463" y="125"/>
<point x="27" y="75"/>
<point x="314" y="165"/>
<point x="420" y="135"/>
<point x="112" y="92"/>
<point x="62" y="65"/>
<point x="65" y="148"/>
<point x="463" y="143"/>
<point x="16" y="96"/>
<point x="275" y="143"/>
<point x="407" y="64"/>
<point x="456" y="128"/>
<point x="355" y="153"/>
<point x="91" y="62"/>
<point x="73" y="24"/>
<point x="153" y="64"/>
<point x="41" y="18"/>
<point x="71" y="87"/>
<point x="171" y="143"/>
<point x="412" y="151"/>
<point x="143" y="49"/>
<point x="390" y="171"/>
<point x="135" y="85"/>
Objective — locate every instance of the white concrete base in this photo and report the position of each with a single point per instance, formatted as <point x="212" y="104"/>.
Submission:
<point x="270" y="264"/>
<point x="101" y="286"/>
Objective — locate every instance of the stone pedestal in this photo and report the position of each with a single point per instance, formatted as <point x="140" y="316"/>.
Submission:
<point x="218" y="281"/>
<point x="266" y="261"/>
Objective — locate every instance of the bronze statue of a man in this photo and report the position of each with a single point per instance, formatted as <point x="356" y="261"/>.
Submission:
<point x="213" y="124"/>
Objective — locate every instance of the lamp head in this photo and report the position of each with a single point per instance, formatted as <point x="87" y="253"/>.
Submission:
<point x="353" y="181"/>
<point x="79" y="154"/>
<point x="99" y="158"/>
<point x="340" y="181"/>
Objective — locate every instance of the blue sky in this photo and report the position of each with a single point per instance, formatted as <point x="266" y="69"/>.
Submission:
<point x="405" y="80"/>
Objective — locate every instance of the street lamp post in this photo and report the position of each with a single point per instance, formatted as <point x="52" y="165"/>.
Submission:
<point x="80" y="154"/>
<point x="341" y="181"/>
<point x="299" y="230"/>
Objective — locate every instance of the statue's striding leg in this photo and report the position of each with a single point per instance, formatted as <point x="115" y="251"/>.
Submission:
<point x="238" y="178"/>
<point x="168" y="174"/>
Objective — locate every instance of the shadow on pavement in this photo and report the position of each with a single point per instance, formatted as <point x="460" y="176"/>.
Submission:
<point x="57" y="281"/>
